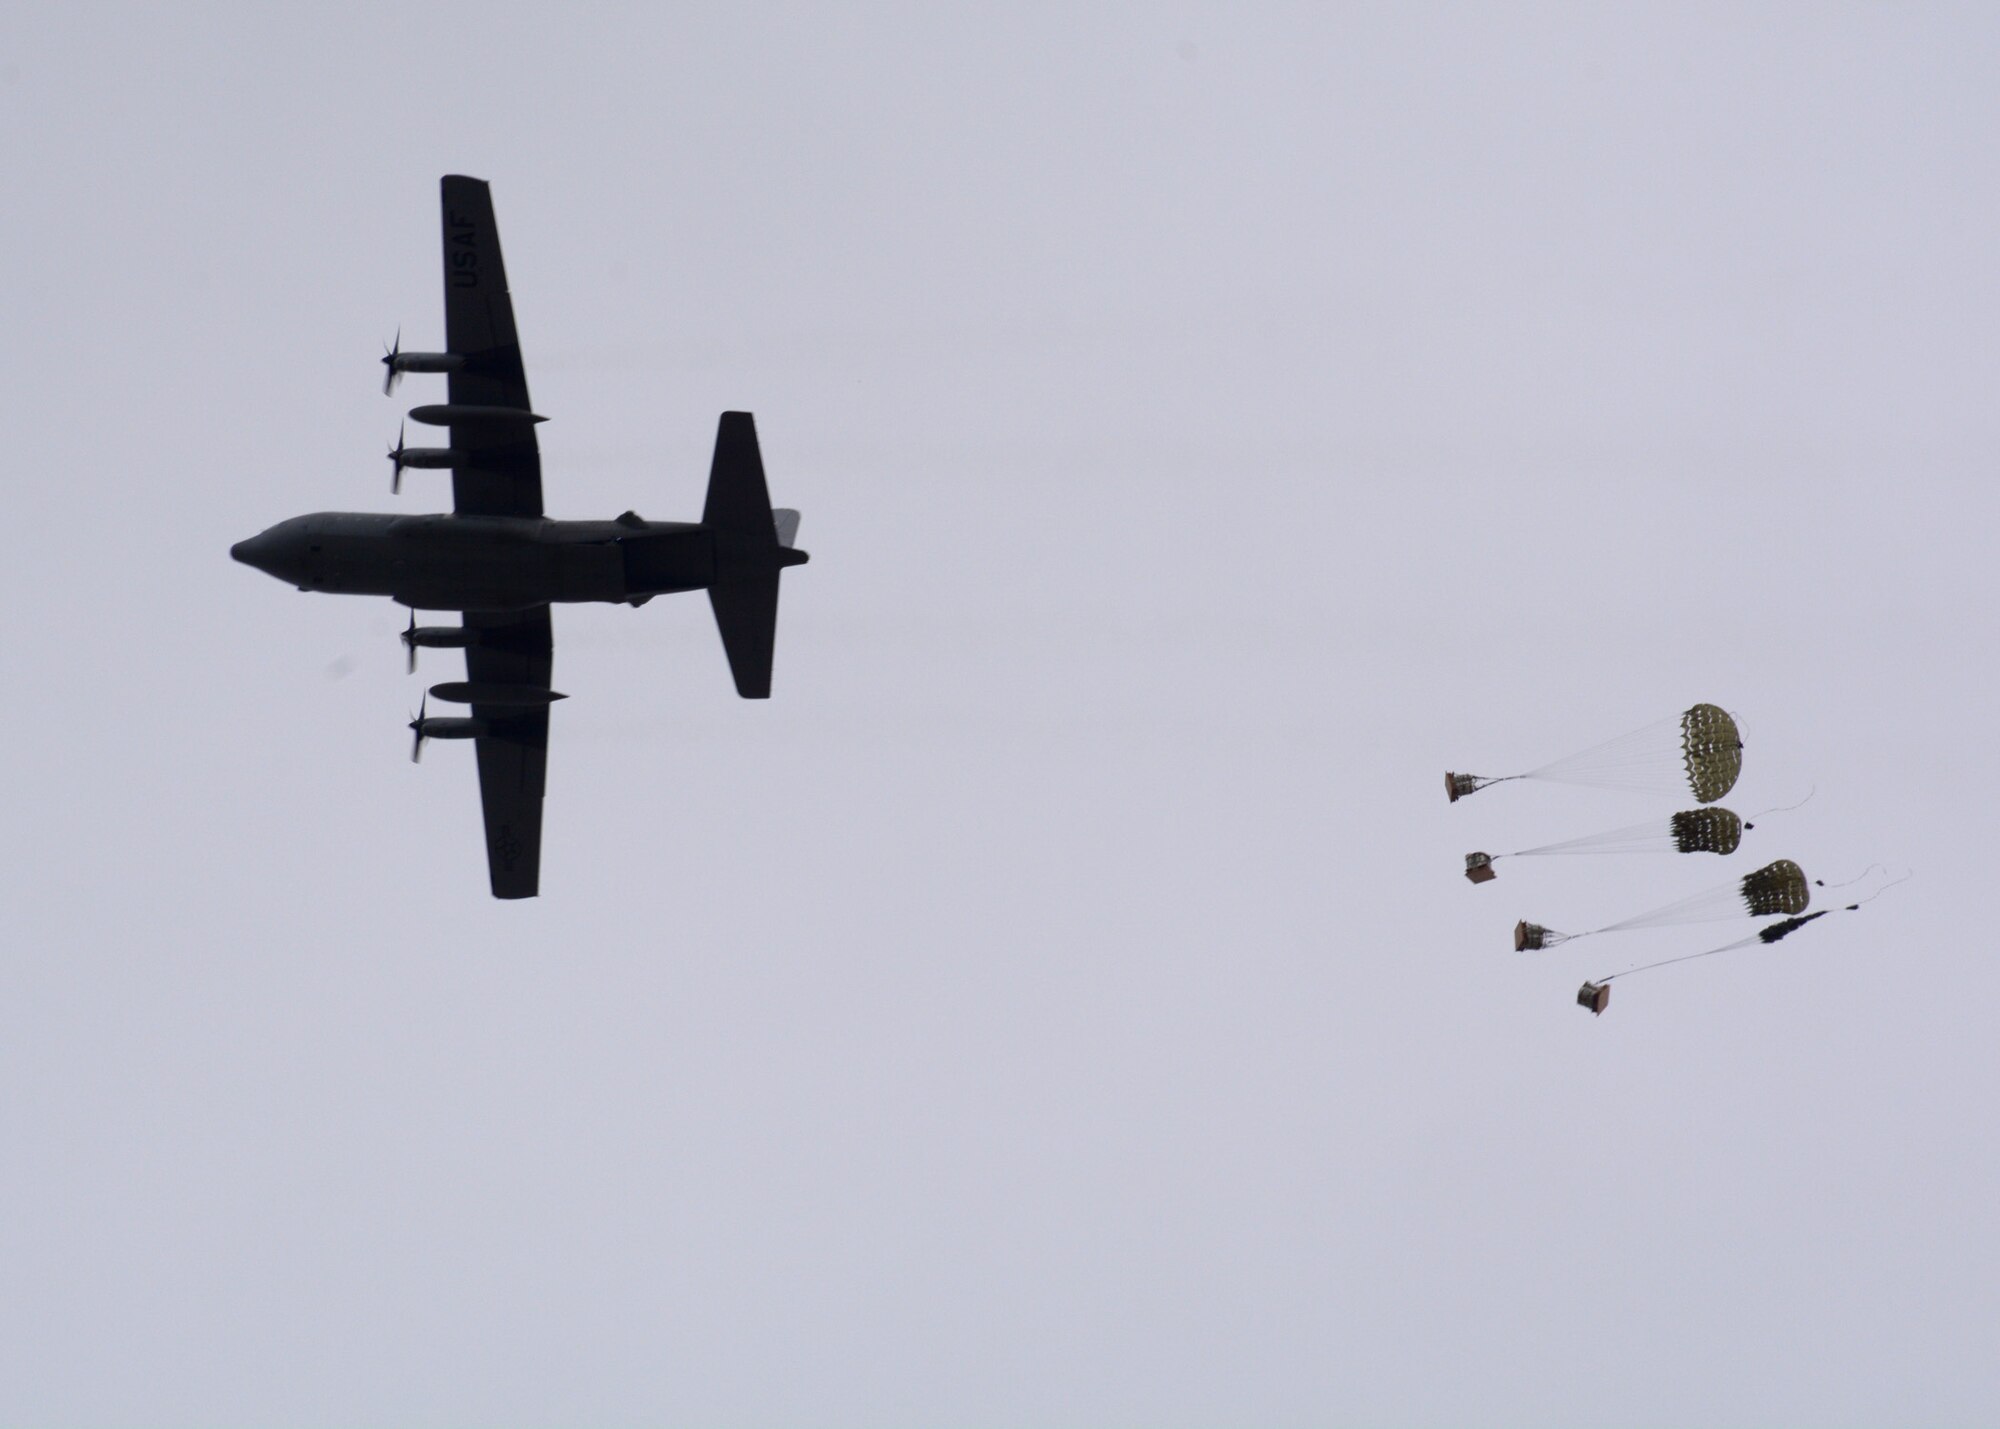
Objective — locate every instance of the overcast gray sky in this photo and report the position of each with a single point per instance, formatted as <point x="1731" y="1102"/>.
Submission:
<point x="1059" y="1005"/>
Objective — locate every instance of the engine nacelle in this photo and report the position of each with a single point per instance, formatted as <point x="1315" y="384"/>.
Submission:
<point x="440" y="637"/>
<point x="451" y="727"/>
<point x="444" y="414"/>
<point x="468" y="692"/>
<point x="431" y="458"/>
<point x="425" y="361"/>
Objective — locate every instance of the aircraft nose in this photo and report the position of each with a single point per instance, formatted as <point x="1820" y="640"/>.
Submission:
<point x="254" y="552"/>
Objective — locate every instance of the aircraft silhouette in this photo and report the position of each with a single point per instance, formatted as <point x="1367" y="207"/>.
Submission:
<point x="502" y="563"/>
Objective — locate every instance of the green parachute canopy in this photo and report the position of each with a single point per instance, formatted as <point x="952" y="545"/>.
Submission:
<point x="1699" y="751"/>
<point x="1707" y="831"/>
<point x="1777" y="887"/>
<point x="1711" y="751"/>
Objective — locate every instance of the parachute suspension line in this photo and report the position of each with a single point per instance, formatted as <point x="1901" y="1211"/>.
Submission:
<point x="1700" y="749"/>
<point x="1779" y="887"/>
<point x="1457" y="786"/>
<point x="1532" y="937"/>
<point x="1873" y="867"/>
<point x="1786" y="808"/>
<point x="1706" y="830"/>
<point x="1669" y="962"/>
<point x="1634" y="837"/>
<point x="1885" y="888"/>
<point x="1632" y="760"/>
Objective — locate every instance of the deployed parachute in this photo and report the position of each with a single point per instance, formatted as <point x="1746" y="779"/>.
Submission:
<point x="1778" y="887"/>
<point x="1713" y="830"/>
<point x="1596" y="994"/>
<point x="1699" y="751"/>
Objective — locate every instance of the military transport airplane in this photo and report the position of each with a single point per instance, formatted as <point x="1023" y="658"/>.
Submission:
<point x="497" y="559"/>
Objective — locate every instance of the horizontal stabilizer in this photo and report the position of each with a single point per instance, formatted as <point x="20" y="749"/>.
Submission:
<point x="753" y="544"/>
<point x="746" y="612"/>
<point x="738" y="510"/>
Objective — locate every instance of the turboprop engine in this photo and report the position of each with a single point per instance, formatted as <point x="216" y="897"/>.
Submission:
<point x="466" y="692"/>
<point x="430" y="726"/>
<point x="403" y="457"/>
<point x="398" y="362"/>
<point x="435" y="637"/>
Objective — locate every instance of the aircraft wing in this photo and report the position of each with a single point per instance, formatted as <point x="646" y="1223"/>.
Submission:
<point x="512" y="648"/>
<point x="504" y="474"/>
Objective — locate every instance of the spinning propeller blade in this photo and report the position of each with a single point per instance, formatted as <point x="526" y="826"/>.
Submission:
<point x="389" y="356"/>
<point x="396" y="460"/>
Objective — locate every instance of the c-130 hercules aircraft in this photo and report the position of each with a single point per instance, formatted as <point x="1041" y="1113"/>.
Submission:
<point x="497" y="559"/>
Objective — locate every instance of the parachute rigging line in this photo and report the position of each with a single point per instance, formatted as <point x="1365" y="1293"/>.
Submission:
<point x="1822" y="883"/>
<point x="1782" y="808"/>
<point x="1713" y="829"/>
<point x="1778" y="887"/>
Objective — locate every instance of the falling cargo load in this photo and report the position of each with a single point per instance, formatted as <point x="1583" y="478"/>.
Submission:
<point x="1714" y="830"/>
<point x="1779" y="887"/>
<point x="1699" y="751"/>
<point x="1597" y="992"/>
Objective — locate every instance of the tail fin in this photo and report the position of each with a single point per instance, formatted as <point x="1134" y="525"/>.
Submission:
<point x="752" y="545"/>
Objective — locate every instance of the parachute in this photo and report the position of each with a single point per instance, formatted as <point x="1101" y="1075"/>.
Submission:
<point x="1699" y="751"/>
<point x="1596" y="994"/>
<point x="1712" y="830"/>
<point x="1779" y="887"/>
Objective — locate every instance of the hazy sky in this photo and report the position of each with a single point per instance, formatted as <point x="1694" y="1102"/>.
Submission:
<point x="1060" y="1004"/>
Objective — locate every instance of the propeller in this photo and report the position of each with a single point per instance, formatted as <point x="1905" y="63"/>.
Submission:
<point x="410" y="640"/>
<point x="389" y="356"/>
<point x="396" y="456"/>
<point x="417" y="724"/>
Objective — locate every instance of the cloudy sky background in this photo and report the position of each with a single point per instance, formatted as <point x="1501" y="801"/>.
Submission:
<point x="1060" y="1003"/>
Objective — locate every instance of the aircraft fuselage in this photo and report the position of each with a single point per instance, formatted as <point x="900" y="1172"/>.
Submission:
<point x="445" y="562"/>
